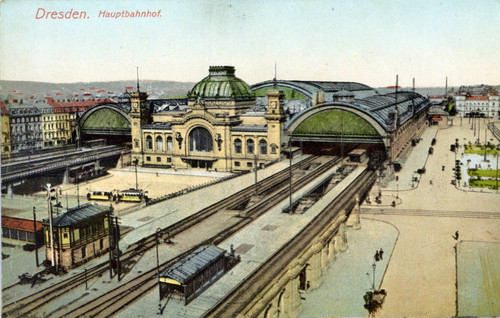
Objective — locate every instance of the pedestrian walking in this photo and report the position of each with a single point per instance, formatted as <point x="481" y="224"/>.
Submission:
<point x="377" y="256"/>
<point x="381" y="254"/>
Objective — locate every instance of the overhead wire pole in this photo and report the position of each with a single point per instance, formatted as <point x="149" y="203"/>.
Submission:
<point x="49" y="208"/>
<point x="342" y="136"/>
<point x="290" y="153"/>
<point x="485" y="141"/>
<point x="255" y="164"/>
<point x="158" y="230"/>
<point x="34" y="232"/>
<point x="498" y="150"/>
<point x="136" y="180"/>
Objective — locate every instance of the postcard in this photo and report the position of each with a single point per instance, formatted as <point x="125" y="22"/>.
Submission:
<point x="230" y="158"/>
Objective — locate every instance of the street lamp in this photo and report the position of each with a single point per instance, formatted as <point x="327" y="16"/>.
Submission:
<point x="485" y="141"/>
<point x="136" y="161"/>
<point x="373" y="284"/>
<point x="496" y="178"/>
<point x="49" y="208"/>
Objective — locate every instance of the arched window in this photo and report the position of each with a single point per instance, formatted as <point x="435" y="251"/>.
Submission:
<point x="169" y="143"/>
<point x="200" y="139"/>
<point x="237" y="145"/>
<point x="149" y="142"/>
<point x="250" y="146"/>
<point x="263" y="147"/>
<point x="159" y="143"/>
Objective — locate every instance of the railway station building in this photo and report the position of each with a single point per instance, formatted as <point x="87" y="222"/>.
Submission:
<point x="80" y="234"/>
<point x="220" y="129"/>
<point x="227" y="125"/>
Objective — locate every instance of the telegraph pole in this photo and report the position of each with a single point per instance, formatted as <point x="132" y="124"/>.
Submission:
<point x="34" y="231"/>
<point x="290" y="148"/>
<point x="485" y="141"/>
<point x="49" y="208"/>
<point x="136" y="162"/>
<point x="255" y="164"/>
<point x="158" y="230"/>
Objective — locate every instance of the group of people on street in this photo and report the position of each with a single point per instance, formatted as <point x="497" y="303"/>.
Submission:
<point x="379" y="255"/>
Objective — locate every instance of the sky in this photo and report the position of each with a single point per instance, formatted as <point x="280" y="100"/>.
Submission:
<point x="365" y="41"/>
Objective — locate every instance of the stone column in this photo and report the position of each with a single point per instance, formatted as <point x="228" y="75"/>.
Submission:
<point x="9" y="191"/>
<point x="66" y="176"/>
<point x="353" y="220"/>
<point x="293" y="303"/>
<point x="314" y="271"/>
<point x="341" y="239"/>
<point x="331" y="249"/>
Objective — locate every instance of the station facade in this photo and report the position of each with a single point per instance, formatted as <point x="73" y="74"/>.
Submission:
<point x="218" y="130"/>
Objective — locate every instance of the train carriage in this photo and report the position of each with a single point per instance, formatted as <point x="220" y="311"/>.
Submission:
<point x="131" y="195"/>
<point x="101" y="195"/>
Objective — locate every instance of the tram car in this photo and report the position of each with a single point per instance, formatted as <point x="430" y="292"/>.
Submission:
<point x="101" y="195"/>
<point x="131" y="195"/>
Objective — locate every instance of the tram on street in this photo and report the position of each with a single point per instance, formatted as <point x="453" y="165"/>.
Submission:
<point x="101" y="195"/>
<point x="131" y="195"/>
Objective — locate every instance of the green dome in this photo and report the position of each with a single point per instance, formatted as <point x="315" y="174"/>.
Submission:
<point x="221" y="84"/>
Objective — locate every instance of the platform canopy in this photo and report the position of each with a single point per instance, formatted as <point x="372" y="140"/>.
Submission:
<point x="188" y="267"/>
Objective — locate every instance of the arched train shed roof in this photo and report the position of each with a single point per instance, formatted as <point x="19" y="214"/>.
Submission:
<point x="109" y="119"/>
<point x="374" y="109"/>
<point x="309" y="88"/>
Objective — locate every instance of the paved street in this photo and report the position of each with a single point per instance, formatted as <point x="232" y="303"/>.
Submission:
<point x="420" y="279"/>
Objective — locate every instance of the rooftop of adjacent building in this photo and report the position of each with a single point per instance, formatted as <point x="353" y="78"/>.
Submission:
<point x="80" y="213"/>
<point x="20" y="224"/>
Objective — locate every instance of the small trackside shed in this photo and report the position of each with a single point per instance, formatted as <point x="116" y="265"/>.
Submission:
<point x="22" y="230"/>
<point x="190" y="276"/>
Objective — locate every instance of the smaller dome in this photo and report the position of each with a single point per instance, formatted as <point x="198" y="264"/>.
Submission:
<point x="221" y="84"/>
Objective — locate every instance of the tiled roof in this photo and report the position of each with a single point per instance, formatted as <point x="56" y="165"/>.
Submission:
<point x="78" y="214"/>
<point x="80" y="104"/>
<point x="477" y="98"/>
<point x="189" y="266"/>
<point x="20" y="224"/>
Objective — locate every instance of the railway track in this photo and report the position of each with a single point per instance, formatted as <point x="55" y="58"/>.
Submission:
<point x="435" y="213"/>
<point x="234" y="303"/>
<point x="19" y="170"/>
<point x="25" y="306"/>
<point x="119" y="298"/>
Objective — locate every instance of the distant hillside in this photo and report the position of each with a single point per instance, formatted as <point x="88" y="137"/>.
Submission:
<point x="160" y="88"/>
